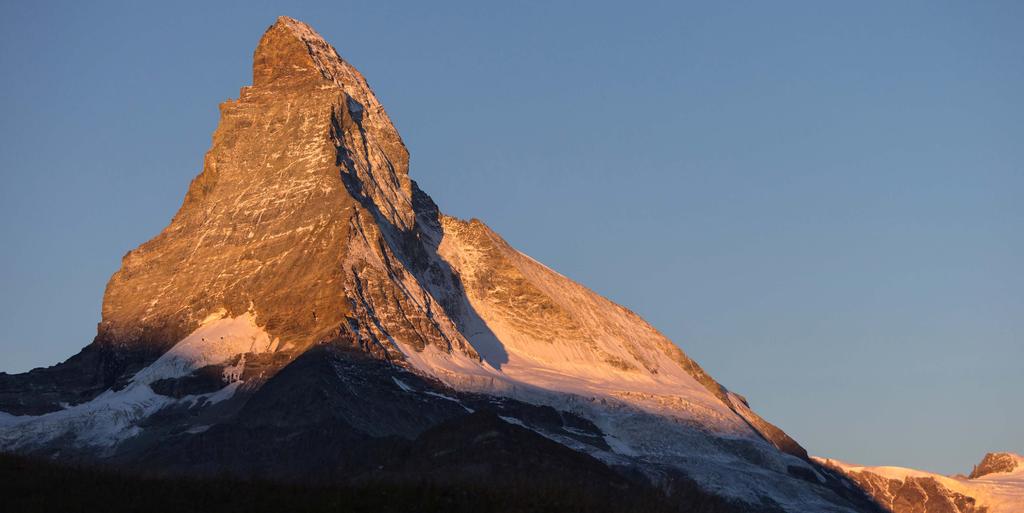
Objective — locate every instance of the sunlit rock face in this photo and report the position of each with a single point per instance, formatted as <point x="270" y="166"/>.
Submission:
<point x="996" y="463"/>
<point x="266" y="226"/>
<point x="308" y="291"/>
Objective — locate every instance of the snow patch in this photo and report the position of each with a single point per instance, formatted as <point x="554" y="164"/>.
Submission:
<point x="114" y="415"/>
<point x="401" y="384"/>
<point x="515" y="421"/>
<point x="618" y="446"/>
<point x="216" y="341"/>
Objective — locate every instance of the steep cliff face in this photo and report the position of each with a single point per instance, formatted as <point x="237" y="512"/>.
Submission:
<point x="995" y="486"/>
<point x="266" y="226"/>
<point x="304" y="230"/>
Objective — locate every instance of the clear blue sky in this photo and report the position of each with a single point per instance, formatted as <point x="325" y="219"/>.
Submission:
<point x="821" y="204"/>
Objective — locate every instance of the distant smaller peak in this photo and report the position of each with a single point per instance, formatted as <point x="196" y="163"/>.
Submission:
<point x="997" y="463"/>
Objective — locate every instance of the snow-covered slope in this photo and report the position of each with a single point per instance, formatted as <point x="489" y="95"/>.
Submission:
<point x="545" y="339"/>
<point x="118" y="414"/>
<point x="909" y="490"/>
<point x="539" y="329"/>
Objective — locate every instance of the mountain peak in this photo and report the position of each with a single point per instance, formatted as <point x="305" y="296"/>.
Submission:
<point x="308" y="291"/>
<point x="292" y="50"/>
<point x="265" y="226"/>
<point x="996" y="462"/>
<point x="292" y="57"/>
<point x="292" y="53"/>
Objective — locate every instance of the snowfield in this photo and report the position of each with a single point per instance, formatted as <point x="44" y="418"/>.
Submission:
<point x="114" y="415"/>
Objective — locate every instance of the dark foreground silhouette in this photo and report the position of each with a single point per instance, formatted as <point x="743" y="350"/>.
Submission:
<point x="35" y="485"/>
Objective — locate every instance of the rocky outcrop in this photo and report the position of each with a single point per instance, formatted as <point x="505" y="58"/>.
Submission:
<point x="995" y="462"/>
<point x="995" y="486"/>
<point x="916" y="495"/>
<point x="266" y="226"/>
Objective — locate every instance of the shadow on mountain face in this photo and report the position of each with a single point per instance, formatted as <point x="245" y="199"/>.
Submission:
<point x="470" y="323"/>
<point x="418" y="247"/>
<point x="339" y="430"/>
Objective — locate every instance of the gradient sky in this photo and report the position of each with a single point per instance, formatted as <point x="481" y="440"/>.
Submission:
<point x="820" y="204"/>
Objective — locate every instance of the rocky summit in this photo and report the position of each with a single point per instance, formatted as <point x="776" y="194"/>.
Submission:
<point x="310" y="315"/>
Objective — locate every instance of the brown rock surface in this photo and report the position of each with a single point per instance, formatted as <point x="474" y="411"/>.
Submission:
<point x="301" y="164"/>
<point x="910" y="491"/>
<point x="994" y="462"/>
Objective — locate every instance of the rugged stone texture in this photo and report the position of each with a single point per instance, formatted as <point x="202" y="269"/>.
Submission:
<point x="916" y="495"/>
<point x="994" y="462"/>
<point x="263" y="227"/>
<point x="902" y="490"/>
<point x="305" y="180"/>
